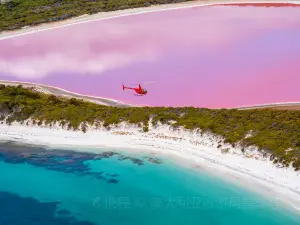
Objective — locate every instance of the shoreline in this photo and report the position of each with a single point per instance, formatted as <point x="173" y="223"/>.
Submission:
<point x="251" y="169"/>
<point x="48" y="89"/>
<point x="130" y="12"/>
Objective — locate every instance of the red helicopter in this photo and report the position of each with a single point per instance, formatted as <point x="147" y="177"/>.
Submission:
<point x="139" y="90"/>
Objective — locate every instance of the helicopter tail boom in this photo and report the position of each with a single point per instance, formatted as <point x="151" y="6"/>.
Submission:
<point x="124" y="87"/>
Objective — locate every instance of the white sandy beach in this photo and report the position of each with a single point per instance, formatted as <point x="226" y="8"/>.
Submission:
<point x="250" y="168"/>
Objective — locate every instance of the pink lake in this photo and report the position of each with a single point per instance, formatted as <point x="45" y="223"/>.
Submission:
<point x="212" y="56"/>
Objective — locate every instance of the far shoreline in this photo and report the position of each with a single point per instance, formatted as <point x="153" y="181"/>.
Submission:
<point x="136" y="11"/>
<point x="114" y="102"/>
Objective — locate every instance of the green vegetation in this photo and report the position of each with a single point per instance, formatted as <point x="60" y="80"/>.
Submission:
<point x="19" y="13"/>
<point x="273" y="131"/>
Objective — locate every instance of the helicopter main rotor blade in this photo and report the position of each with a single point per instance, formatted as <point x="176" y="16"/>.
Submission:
<point x="150" y="82"/>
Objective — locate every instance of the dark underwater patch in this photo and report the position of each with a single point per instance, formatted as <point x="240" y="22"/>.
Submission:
<point x="154" y="160"/>
<point x="136" y="161"/>
<point x="112" y="175"/>
<point x="113" y="181"/>
<point x="105" y="155"/>
<point x="52" y="159"/>
<point x="62" y="212"/>
<point x="64" y="160"/>
<point x="29" y="211"/>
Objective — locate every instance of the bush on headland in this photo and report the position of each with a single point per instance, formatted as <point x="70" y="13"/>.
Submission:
<point x="274" y="131"/>
<point x="15" y="14"/>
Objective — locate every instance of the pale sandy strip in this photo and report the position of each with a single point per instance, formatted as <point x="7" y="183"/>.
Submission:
<point x="122" y="13"/>
<point x="67" y="93"/>
<point x="87" y="97"/>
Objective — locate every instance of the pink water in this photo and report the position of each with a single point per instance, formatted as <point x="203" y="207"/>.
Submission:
<point x="212" y="56"/>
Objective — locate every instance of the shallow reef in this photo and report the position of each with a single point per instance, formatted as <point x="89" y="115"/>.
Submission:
<point x="66" y="161"/>
<point x="23" y="210"/>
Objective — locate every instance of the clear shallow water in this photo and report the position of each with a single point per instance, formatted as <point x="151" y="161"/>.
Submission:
<point x="64" y="187"/>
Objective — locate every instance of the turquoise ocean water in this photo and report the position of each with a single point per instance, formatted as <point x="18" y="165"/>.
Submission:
<point x="39" y="186"/>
